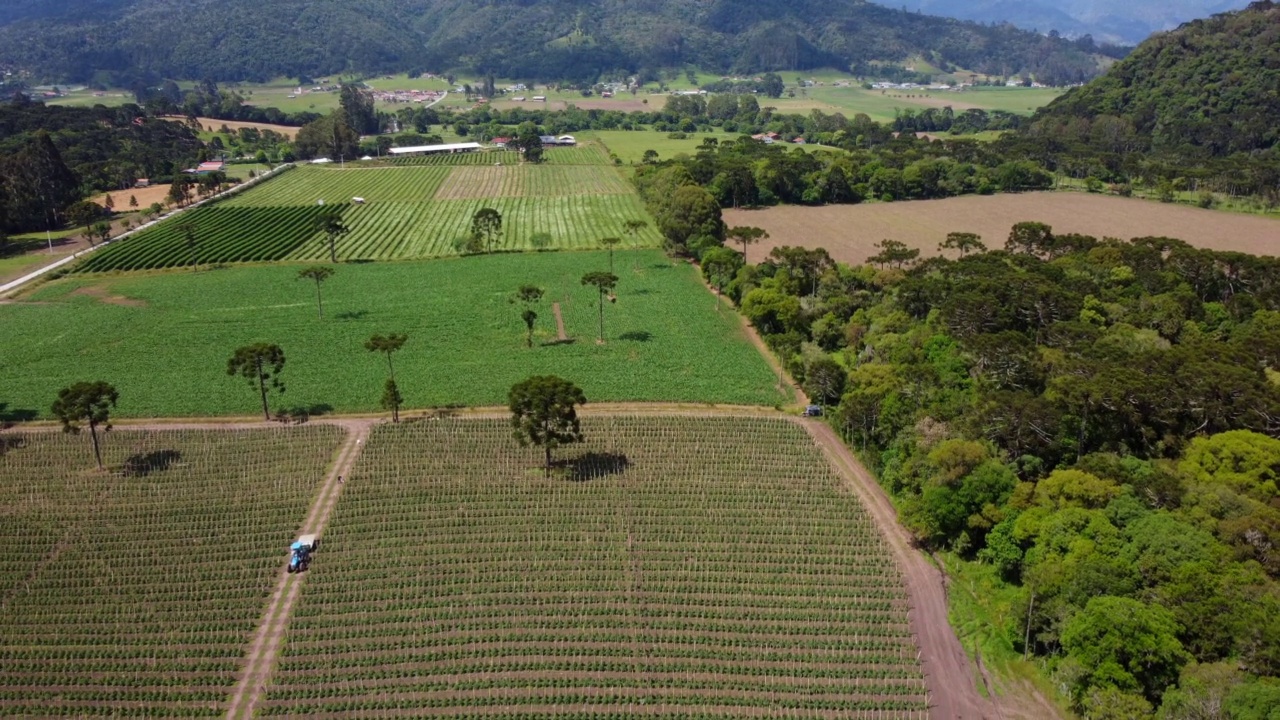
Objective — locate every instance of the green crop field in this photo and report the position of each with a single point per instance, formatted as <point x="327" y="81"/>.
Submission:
<point x="630" y="145"/>
<point x="676" y="567"/>
<point x="413" y="208"/>
<point x="137" y="591"/>
<point x="164" y="339"/>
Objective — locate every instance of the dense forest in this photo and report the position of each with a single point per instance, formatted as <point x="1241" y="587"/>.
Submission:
<point x="50" y="157"/>
<point x="1197" y="104"/>
<point x="124" y="42"/>
<point x="1095" y="419"/>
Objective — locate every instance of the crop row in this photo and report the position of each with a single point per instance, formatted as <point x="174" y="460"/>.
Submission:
<point x="387" y="231"/>
<point x="310" y="185"/>
<point x="580" y="155"/>
<point x="220" y="235"/>
<point x="136" y="590"/>
<point x="705" y="564"/>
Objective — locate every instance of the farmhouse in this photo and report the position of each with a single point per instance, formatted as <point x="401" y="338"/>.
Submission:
<point x="210" y="167"/>
<point x="501" y="142"/>
<point x="435" y="149"/>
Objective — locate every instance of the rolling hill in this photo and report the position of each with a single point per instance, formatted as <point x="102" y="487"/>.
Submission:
<point x="111" y="41"/>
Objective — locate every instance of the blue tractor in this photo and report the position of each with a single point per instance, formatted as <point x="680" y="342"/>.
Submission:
<point x="300" y="553"/>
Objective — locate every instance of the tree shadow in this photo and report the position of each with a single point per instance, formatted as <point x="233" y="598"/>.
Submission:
<point x="11" y="442"/>
<point x="641" y="291"/>
<point x="143" y="464"/>
<point x="553" y="343"/>
<point x="358" y="261"/>
<point x="351" y="315"/>
<point x="594" y="465"/>
<point x="637" y="336"/>
<point x="302" y="413"/>
<point x="9" y="416"/>
<point x="661" y="266"/>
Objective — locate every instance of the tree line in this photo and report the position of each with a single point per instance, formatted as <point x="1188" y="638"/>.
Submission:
<point x="1097" y="420"/>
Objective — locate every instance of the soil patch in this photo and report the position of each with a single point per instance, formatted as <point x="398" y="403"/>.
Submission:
<point x="145" y="196"/>
<point x="214" y="125"/>
<point x="850" y="232"/>
<point x="102" y="295"/>
<point x="561" y="336"/>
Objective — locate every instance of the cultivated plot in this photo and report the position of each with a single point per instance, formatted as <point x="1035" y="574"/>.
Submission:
<point x="163" y="339"/>
<point x="707" y="567"/>
<point x="135" y="591"/>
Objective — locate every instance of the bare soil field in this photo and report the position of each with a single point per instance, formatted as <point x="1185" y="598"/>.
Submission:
<point x="850" y="232"/>
<point x="214" y="124"/>
<point x="146" y="196"/>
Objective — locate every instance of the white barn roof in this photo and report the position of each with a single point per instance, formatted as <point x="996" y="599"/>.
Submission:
<point x="451" y="147"/>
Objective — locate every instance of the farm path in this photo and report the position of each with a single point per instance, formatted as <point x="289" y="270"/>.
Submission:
<point x="561" y="335"/>
<point x="948" y="673"/>
<point x="265" y="646"/>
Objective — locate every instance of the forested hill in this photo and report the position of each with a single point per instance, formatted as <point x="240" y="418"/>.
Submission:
<point x="119" y="40"/>
<point x="1210" y="89"/>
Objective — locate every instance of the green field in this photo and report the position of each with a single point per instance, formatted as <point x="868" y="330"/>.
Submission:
<point x="882" y="105"/>
<point x="679" y="567"/>
<point x="630" y="145"/>
<point x="136" y="592"/>
<point x="414" y="208"/>
<point x="164" y="339"/>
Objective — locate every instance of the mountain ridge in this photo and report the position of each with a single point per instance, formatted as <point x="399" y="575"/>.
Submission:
<point x="86" y="40"/>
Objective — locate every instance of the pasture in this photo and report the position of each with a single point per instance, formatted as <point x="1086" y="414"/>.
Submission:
<point x="691" y="567"/>
<point x="850" y="232"/>
<point x="136" y="591"/>
<point x="630" y="145"/>
<point x="164" y="338"/>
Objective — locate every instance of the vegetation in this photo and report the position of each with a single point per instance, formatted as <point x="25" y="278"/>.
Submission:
<point x="260" y="364"/>
<point x="317" y="274"/>
<point x="604" y="283"/>
<point x="130" y="45"/>
<point x="752" y="577"/>
<point x="1090" y="418"/>
<point x="117" y="583"/>
<point x="89" y="403"/>
<point x="664" y="338"/>
<point x="544" y="413"/>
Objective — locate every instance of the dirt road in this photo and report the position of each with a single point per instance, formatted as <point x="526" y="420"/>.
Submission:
<point x="948" y="674"/>
<point x="270" y="634"/>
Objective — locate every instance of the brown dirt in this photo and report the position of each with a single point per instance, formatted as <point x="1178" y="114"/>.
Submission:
<point x="261" y="659"/>
<point x="145" y="196"/>
<point x="849" y="232"/>
<point x="561" y="335"/>
<point x="213" y="125"/>
<point x="101" y="294"/>
<point x="948" y="674"/>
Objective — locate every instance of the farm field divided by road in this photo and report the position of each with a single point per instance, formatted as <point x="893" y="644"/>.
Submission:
<point x="136" y="591"/>
<point x="163" y="339"/>
<point x="673" y="566"/>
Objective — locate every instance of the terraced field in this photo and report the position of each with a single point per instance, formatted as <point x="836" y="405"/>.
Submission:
<point x="668" y="568"/>
<point x="136" y="591"/>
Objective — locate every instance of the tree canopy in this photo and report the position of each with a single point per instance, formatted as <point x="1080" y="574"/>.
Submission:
<point x="544" y="413"/>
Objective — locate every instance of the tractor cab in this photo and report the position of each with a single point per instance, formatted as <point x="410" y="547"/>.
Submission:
<point x="300" y="553"/>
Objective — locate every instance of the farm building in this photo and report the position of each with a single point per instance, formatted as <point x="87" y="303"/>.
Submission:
<point x="434" y="149"/>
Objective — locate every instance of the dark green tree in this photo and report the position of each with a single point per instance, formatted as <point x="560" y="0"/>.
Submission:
<point x="963" y="242"/>
<point x="544" y="413"/>
<point x="719" y="266"/>
<point x="388" y="345"/>
<point x="330" y="223"/>
<point x="528" y="295"/>
<point x="894" y="254"/>
<point x="610" y="243"/>
<point x="486" y="225"/>
<point x="83" y="213"/>
<point x="357" y="105"/>
<point x="744" y="236"/>
<point x="42" y="180"/>
<point x="89" y="403"/>
<point x="260" y="364"/>
<point x="188" y="230"/>
<point x="604" y="283"/>
<point x="317" y="274"/>
<point x="528" y="142"/>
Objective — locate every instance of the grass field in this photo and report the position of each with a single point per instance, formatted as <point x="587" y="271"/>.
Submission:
<point x="850" y="232"/>
<point x="882" y="105"/>
<point x="679" y="567"/>
<point x="164" y="339"/>
<point x="135" y="592"/>
<point x="630" y="145"/>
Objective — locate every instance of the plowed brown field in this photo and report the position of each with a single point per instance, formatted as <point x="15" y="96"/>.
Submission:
<point x="850" y="232"/>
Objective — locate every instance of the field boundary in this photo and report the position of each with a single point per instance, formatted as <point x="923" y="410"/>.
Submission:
<point x="261" y="659"/>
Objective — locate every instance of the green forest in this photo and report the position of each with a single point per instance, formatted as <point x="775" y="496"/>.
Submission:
<point x="124" y="42"/>
<point x="1095" y="419"/>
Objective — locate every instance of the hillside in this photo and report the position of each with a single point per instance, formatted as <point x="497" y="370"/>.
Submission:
<point x="1210" y="89"/>
<point x="122" y="41"/>
<point x="1125" y="23"/>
